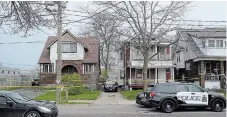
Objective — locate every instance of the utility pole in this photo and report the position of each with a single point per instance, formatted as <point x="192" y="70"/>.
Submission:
<point x="59" y="51"/>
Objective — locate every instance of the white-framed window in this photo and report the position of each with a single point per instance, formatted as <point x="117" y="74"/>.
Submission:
<point x="47" y="68"/>
<point x="225" y="43"/>
<point x="88" y="68"/>
<point x="219" y="43"/>
<point x="69" y="47"/>
<point x="211" y="43"/>
<point x="139" y="73"/>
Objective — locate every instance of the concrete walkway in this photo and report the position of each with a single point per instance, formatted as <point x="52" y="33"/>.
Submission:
<point x="109" y="98"/>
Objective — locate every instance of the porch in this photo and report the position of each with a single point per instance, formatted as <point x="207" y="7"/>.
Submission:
<point x="154" y="75"/>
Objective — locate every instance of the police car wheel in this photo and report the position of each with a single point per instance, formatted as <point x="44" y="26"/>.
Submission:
<point x="217" y="105"/>
<point x="168" y="106"/>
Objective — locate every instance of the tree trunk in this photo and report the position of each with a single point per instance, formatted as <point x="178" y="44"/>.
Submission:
<point x="145" y="65"/>
<point x="107" y="60"/>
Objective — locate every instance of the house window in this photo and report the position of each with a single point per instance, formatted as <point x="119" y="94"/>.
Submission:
<point x="225" y="44"/>
<point x="139" y="73"/>
<point x="48" y="68"/>
<point x="68" y="47"/>
<point x="208" y="67"/>
<point x="45" y="68"/>
<point x="203" y="44"/>
<point x="211" y="43"/>
<point x="121" y="55"/>
<point x="88" y="68"/>
<point x="13" y="72"/>
<point x="8" y="72"/>
<point x="219" y="43"/>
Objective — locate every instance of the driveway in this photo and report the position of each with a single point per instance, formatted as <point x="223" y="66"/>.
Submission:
<point x="29" y="92"/>
<point x="112" y="98"/>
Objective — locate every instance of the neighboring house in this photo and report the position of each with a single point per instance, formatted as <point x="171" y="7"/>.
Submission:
<point x="79" y="55"/>
<point x="201" y="52"/>
<point x="9" y="72"/>
<point x="160" y="67"/>
<point x="10" y="76"/>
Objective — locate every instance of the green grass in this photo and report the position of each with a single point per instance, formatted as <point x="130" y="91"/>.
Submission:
<point x="86" y="95"/>
<point x="9" y="88"/>
<point x="131" y="95"/>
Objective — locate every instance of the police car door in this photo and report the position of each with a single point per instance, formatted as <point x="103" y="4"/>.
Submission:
<point x="198" y="95"/>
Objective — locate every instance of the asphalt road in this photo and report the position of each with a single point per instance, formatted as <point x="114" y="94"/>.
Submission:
<point x="129" y="110"/>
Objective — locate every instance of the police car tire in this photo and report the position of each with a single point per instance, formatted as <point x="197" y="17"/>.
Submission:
<point x="213" y="105"/>
<point x="171" y="107"/>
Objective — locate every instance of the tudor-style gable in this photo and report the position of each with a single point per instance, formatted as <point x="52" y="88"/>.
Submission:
<point x="79" y="51"/>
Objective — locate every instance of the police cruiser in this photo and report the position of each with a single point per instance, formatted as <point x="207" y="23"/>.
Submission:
<point x="169" y="96"/>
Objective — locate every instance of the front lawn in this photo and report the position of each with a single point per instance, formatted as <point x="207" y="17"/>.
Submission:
<point x="10" y="88"/>
<point x="86" y="95"/>
<point x="131" y="95"/>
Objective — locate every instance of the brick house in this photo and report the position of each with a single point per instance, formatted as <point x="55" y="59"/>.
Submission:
<point x="200" y="55"/>
<point x="160" y="67"/>
<point x="79" y="55"/>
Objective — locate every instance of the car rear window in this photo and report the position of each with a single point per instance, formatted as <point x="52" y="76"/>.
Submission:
<point x="163" y="88"/>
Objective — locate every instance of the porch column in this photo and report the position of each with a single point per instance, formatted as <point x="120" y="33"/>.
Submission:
<point x="202" y="75"/>
<point x="222" y="81"/>
<point x="130" y="78"/>
<point x="156" y="75"/>
<point x="222" y="67"/>
<point x="48" y="68"/>
<point x="172" y="73"/>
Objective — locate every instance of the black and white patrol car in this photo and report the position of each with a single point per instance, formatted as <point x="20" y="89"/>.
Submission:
<point x="169" y="96"/>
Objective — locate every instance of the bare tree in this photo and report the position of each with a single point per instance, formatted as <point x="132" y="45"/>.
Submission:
<point x="24" y="16"/>
<point x="148" y="21"/>
<point x="104" y="26"/>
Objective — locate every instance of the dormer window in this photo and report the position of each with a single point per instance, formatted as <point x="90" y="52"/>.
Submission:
<point x="69" y="47"/>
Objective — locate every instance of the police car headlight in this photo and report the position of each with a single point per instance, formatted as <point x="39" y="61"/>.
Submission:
<point x="44" y="109"/>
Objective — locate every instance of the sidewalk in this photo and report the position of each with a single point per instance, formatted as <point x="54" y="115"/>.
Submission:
<point x="112" y="99"/>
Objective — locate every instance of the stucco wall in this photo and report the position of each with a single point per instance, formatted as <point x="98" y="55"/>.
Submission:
<point x="79" y="55"/>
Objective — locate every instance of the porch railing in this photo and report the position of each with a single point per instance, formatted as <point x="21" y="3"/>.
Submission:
<point x="212" y="77"/>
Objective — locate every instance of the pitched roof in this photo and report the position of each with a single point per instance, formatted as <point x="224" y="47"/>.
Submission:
<point x="45" y="55"/>
<point x="67" y="31"/>
<point x="207" y="33"/>
<point x="89" y="43"/>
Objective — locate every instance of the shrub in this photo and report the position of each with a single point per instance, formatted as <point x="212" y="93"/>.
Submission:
<point x="71" y="80"/>
<point x="74" y="90"/>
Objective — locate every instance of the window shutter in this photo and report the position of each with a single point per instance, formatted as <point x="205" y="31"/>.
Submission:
<point x="167" y="50"/>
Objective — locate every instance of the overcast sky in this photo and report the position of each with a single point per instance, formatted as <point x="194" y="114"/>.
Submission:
<point x="26" y="56"/>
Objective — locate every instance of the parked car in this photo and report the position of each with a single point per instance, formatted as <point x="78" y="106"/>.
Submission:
<point x="16" y="105"/>
<point x="170" y="96"/>
<point x="142" y="99"/>
<point x="36" y="82"/>
<point x="110" y="87"/>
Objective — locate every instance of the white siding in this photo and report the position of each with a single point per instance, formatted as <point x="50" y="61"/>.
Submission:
<point x="161" y="75"/>
<point x="79" y="55"/>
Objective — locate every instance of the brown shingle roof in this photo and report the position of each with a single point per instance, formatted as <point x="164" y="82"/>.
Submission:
<point x="91" y="56"/>
<point x="45" y="55"/>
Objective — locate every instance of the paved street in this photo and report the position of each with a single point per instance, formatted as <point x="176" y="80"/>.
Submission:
<point x="114" y="105"/>
<point x="128" y="110"/>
